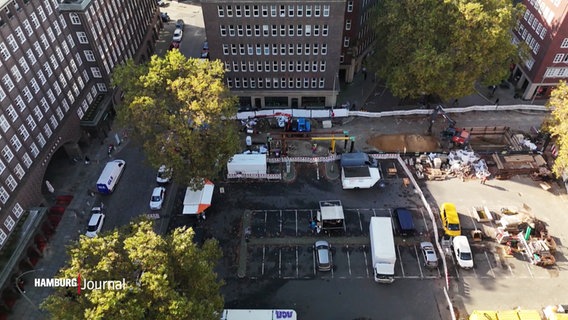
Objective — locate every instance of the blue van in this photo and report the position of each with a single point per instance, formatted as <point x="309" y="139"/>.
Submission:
<point x="404" y="222"/>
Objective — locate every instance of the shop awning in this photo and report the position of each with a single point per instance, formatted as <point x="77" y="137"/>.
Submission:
<point x="197" y="201"/>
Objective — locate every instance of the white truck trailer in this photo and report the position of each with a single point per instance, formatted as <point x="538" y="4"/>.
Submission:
<point x="382" y="249"/>
<point x="247" y="164"/>
<point x="359" y="171"/>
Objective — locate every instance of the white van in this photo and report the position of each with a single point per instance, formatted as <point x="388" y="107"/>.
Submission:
<point x="110" y="175"/>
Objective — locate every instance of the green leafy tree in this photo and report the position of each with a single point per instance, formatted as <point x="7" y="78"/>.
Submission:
<point x="557" y="124"/>
<point x="443" y="47"/>
<point x="181" y="111"/>
<point x="166" y="277"/>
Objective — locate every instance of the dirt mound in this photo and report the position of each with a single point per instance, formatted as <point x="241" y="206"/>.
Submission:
<point x="404" y="143"/>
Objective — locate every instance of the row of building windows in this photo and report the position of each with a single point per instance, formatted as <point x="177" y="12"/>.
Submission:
<point x="561" y="58"/>
<point x="276" y="10"/>
<point x="274" y="30"/>
<point x="535" y="24"/>
<point x="556" y="73"/>
<point x="49" y="68"/>
<point x="276" y="66"/>
<point x="275" y="49"/>
<point x="7" y="152"/>
<point x="543" y="9"/>
<point x="531" y="42"/>
<point x="276" y="83"/>
<point x="9" y="223"/>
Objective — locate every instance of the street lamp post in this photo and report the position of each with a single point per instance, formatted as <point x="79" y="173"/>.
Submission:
<point x="20" y="289"/>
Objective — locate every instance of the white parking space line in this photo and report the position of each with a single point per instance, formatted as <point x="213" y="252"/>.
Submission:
<point x="296" y="212"/>
<point x="348" y="259"/>
<point x="331" y="259"/>
<point x="374" y="213"/>
<point x="280" y="222"/>
<point x="529" y="269"/>
<point x="314" y="260"/>
<point x="473" y="221"/>
<point x="510" y="270"/>
<point x="400" y="261"/>
<point x="424" y="218"/>
<point x="366" y="261"/>
<point x="418" y="261"/>
<point x="489" y="263"/>
<point x="455" y="266"/>
<point x="280" y="263"/>
<point x="297" y="264"/>
<point x="360" y="222"/>
<point x="263" y="256"/>
<point x="265" y="217"/>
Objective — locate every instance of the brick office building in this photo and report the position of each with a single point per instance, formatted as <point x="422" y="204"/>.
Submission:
<point x="544" y="28"/>
<point x="278" y="53"/>
<point x="358" y="37"/>
<point x="55" y="61"/>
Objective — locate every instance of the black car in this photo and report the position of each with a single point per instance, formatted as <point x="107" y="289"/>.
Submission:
<point x="165" y="17"/>
<point x="179" y="24"/>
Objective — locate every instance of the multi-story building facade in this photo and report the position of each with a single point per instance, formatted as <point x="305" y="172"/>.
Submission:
<point x="544" y="28"/>
<point x="55" y="62"/>
<point x="278" y="53"/>
<point x="358" y="37"/>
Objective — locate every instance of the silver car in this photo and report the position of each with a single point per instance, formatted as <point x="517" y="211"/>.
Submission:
<point x="429" y="254"/>
<point x="323" y="255"/>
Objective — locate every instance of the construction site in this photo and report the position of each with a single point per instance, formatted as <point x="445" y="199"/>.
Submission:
<point x="444" y="151"/>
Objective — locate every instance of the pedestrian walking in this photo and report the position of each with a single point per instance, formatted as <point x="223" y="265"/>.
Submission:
<point x="483" y="180"/>
<point x="314" y="148"/>
<point x="497" y="102"/>
<point x="87" y="160"/>
<point x="456" y="103"/>
<point x="364" y="73"/>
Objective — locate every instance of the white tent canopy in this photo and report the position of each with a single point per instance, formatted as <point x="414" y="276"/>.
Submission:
<point x="196" y="201"/>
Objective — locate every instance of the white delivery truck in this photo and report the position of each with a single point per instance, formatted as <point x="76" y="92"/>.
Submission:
<point x="258" y="314"/>
<point x="382" y="249"/>
<point x="359" y="171"/>
<point x="247" y="164"/>
<point x="110" y="175"/>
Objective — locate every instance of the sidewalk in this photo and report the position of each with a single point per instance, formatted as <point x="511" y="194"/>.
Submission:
<point x="374" y="96"/>
<point x="67" y="178"/>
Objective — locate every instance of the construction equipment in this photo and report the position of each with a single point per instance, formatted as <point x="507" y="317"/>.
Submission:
<point x="457" y="136"/>
<point x="284" y="120"/>
<point x="278" y="140"/>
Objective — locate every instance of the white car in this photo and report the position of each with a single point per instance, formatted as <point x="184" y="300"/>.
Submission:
<point x="164" y="174"/>
<point x="463" y="252"/>
<point x="95" y="223"/>
<point x="429" y="254"/>
<point x="178" y="34"/>
<point x="157" y="198"/>
<point x="323" y="255"/>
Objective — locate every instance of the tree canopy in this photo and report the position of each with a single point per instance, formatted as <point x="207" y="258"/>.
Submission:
<point x="437" y="47"/>
<point x="166" y="277"/>
<point x="558" y="126"/>
<point x="179" y="108"/>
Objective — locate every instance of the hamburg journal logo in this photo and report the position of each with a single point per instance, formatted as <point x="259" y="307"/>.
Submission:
<point x="80" y="283"/>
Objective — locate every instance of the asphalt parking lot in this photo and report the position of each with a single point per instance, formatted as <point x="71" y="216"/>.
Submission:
<point x="281" y="212"/>
<point x="274" y="260"/>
